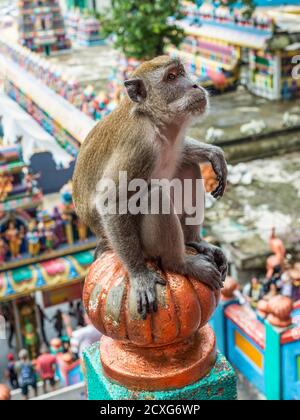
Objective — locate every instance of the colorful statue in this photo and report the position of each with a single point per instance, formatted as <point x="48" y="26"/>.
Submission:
<point x="13" y="238"/>
<point x="50" y="238"/>
<point x="273" y="291"/>
<point x="294" y="274"/>
<point x="31" y="181"/>
<point x="59" y="226"/>
<point x="33" y="239"/>
<point x="277" y="258"/>
<point x="68" y="211"/>
<point x="6" y="185"/>
<point x="30" y="338"/>
<point x="3" y="251"/>
<point x="82" y="230"/>
<point x="48" y="227"/>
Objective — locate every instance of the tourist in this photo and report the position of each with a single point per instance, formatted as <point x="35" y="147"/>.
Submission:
<point x="253" y="292"/>
<point x="9" y="317"/>
<point x="43" y="317"/>
<point x="71" y="311"/>
<point x="273" y="291"/>
<point x="84" y="337"/>
<point x="79" y="312"/>
<point x="11" y="373"/>
<point x="46" y="365"/>
<point x="58" y="322"/>
<point x="26" y="374"/>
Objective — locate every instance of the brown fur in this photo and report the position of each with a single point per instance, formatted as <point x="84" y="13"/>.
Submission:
<point x="144" y="136"/>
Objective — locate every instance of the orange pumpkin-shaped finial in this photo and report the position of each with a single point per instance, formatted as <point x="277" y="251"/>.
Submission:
<point x="171" y="347"/>
<point x="184" y="306"/>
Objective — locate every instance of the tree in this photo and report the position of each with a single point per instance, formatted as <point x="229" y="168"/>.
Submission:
<point x="142" y="28"/>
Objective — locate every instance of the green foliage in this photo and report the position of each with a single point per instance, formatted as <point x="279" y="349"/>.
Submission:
<point x="140" y="28"/>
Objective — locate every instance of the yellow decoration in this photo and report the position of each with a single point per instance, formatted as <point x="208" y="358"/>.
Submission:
<point x="249" y="350"/>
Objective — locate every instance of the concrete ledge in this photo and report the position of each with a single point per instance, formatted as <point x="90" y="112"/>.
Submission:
<point x="74" y="392"/>
<point x="219" y="384"/>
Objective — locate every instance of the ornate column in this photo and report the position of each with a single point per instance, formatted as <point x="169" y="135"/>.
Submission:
<point x="169" y="355"/>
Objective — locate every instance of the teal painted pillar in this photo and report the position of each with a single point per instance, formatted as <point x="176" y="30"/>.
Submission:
<point x="272" y="363"/>
<point x="218" y="322"/>
<point x="219" y="384"/>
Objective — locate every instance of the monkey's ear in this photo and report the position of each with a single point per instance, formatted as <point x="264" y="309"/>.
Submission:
<point x="136" y="90"/>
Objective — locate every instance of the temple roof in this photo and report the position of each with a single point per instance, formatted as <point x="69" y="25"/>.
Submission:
<point x="44" y="275"/>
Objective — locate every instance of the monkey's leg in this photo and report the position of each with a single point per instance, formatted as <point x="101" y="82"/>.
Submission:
<point x="162" y="237"/>
<point x="192" y="235"/>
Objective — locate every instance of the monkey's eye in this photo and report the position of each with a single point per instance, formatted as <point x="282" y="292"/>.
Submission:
<point x="171" y="76"/>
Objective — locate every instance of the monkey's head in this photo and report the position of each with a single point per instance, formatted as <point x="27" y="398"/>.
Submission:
<point x="163" y="87"/>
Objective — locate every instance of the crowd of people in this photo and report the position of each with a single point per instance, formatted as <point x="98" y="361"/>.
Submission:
<point x="24" y="373"/>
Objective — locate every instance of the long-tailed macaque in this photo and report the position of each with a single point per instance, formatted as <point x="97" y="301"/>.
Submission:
<point x="145" y="137"/>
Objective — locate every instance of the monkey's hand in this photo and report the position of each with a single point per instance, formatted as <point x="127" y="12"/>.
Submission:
<point x="214" y="254"/>
<point x="218" y="162"/>
<point x="144" y="286"/>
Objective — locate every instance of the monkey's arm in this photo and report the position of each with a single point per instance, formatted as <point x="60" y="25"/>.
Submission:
<point x="196" y="152"/>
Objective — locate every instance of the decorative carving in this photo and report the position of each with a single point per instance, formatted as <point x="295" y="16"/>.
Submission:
<point x="280" y="309"/>
<point x="277" y="310"/>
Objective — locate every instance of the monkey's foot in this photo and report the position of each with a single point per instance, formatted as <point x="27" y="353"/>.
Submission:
<point x="144" y="285"/>
<point x="214" y="254"/>
<point x="200" y="268"/>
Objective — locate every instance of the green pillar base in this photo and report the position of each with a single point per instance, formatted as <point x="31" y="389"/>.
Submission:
<point x="219" y="384"/>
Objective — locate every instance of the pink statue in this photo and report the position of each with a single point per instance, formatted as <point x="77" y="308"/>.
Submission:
<point x="277" y="259"/>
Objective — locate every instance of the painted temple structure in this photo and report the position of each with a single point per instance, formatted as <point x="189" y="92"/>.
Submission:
<point x="263" y="343"/>
<point x="83" y="29"/>
<point x="42" y="249"/>
<point x="41" y="26"/>
<point x="48" y="251"/>
<point x="223" y="47"/>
